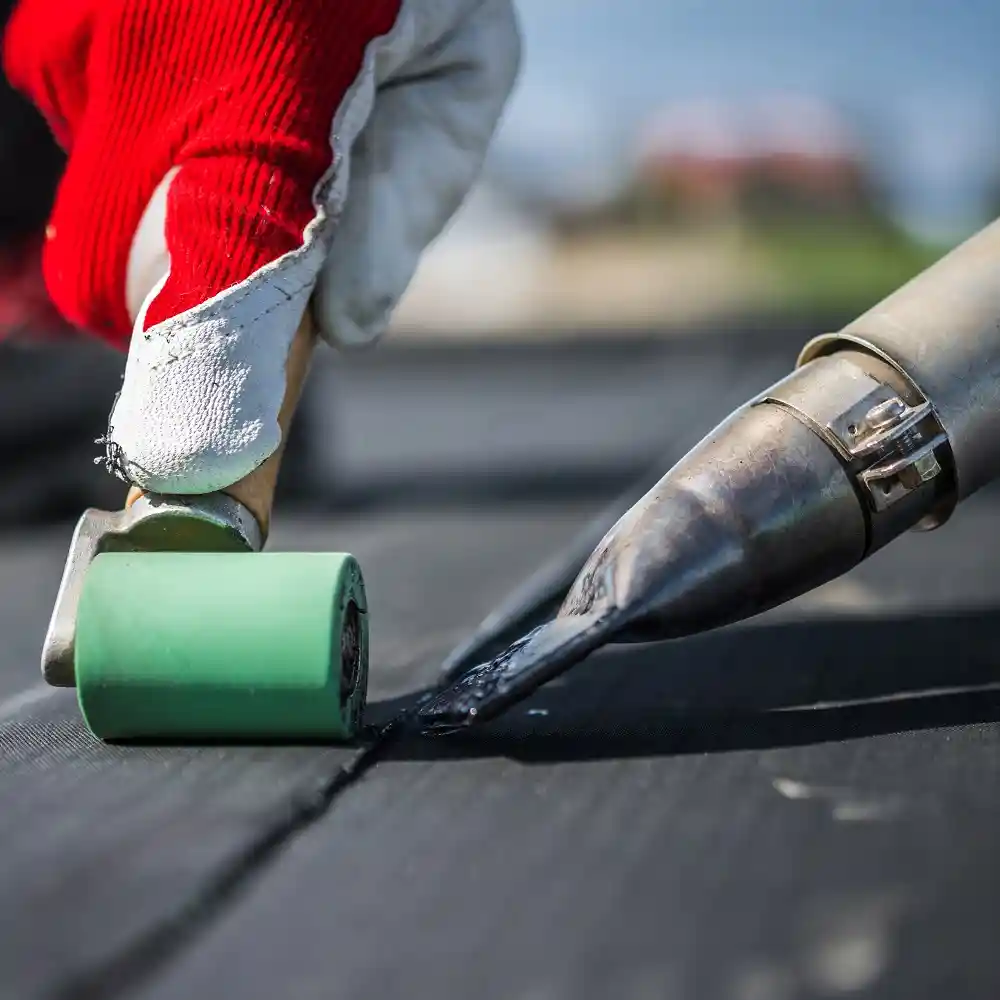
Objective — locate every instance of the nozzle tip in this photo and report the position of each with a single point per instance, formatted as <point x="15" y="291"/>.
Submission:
<point x="490" y="688"/>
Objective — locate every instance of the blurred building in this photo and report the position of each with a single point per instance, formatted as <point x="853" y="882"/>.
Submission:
<point x="778" y="156"/>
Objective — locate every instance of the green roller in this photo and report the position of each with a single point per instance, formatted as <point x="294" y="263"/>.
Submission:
<point x="192" y="646"/>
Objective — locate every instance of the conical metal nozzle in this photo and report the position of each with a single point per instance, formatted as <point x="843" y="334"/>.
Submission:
<point x="791" y="491"/>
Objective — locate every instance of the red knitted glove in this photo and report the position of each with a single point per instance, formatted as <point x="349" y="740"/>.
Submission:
<point x="233" y="163"/>
<point x="239" y="93"/>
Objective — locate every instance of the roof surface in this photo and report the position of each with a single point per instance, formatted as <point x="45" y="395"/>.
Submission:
<point x="802" y="807"/>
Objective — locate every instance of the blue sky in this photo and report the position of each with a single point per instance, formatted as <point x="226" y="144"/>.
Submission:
<point x="921" y="77"/>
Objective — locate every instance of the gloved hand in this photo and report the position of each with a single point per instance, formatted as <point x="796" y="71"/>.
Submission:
<point x="231" y="161"/>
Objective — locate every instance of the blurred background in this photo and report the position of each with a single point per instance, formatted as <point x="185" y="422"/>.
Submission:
<point x="678" y="189"/>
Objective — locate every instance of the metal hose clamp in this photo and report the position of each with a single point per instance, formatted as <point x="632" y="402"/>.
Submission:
<point x="895" y="448"/>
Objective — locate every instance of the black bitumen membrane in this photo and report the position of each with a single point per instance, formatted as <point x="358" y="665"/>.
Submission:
<point x="801" y="807"/>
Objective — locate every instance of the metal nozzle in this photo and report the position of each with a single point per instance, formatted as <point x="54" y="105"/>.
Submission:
<point x="791" y="491"/>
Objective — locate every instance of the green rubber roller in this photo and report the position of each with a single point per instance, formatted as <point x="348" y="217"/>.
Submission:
<point x="198" y="645"/>
<point x="173" y="626"/>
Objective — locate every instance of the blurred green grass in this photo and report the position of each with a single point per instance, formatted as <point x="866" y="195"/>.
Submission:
<point x="839" y="267"/>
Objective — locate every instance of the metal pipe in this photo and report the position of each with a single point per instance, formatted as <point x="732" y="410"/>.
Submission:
<point x="941" y="331"/>
<point x="883" y="427"/>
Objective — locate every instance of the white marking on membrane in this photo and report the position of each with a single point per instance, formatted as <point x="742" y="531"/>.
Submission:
<point x="846" y="805"/>
<point x="944" y="691"/>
